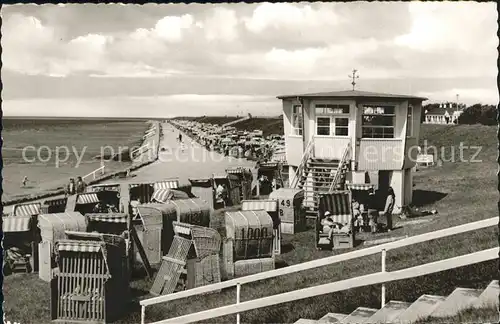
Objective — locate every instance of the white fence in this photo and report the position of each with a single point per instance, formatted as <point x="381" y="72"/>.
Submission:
<point x="376" y="278"/>
<point x="94" y="173"/>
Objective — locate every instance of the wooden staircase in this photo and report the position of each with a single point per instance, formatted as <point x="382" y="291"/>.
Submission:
<point x="317" y="176"/>
<point x="399" y="312"/>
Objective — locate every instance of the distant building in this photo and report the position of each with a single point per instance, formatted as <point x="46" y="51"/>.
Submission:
<point x="445" y="113"/>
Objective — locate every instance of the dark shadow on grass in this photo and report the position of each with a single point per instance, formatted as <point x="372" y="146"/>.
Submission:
<point x="280" y="264"/>
<point x="358" y="242"/>
<point x="426" y="197"/>
<point x="288" y="247"/>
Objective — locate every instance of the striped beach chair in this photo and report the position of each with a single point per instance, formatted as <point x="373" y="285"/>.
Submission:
<point x="339" y="205"/>
<point x="27" y="209"/>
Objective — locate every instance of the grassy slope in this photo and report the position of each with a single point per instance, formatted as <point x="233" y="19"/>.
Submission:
<point x="461" y="193"/>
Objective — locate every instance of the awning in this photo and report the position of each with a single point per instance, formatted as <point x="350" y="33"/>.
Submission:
<point x="56" y="202"/>
<point x="109" y="218"/>
<point x="29" y="209"/>
<point x="12" y="224"/>
<point x="87" y="198"/>
<point x="167" y="184"/>
<point x="83" y="246"/>
<point x="360" y="186"/>
<point x="266" y="205"/>
<point x="238" y="170"/>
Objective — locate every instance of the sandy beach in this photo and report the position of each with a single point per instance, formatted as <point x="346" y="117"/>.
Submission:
<point x="194" y="162"/>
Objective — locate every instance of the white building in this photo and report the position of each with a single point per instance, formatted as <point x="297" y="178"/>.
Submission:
<point x="364" y="133"/>
<point x="438" y="115"/>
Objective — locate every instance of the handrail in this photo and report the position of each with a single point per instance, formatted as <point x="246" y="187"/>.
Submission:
<point x="361" y="281"/>
<point x="93" y="173"/>
<point x="303" y="162"/>
<point x="323" y="261"/>
<point x="333" y="185"/>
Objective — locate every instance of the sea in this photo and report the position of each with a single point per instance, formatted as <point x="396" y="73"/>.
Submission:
<point x="49" y="151"/>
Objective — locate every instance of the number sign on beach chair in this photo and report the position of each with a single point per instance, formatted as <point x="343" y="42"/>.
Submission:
<point x="271" y="207"/>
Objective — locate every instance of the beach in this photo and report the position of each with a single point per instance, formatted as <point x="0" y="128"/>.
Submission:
<point x="194" y="162"/>
<point x="49" y="152"/>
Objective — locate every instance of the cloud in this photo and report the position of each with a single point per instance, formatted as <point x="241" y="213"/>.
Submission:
<point x="221" y="25"/>
<point x="172" y="28"/>
<point x="458" y="26"/>
<point x="272" y="41"/>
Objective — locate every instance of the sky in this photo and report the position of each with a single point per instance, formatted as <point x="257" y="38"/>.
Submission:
<point x="176" y="59"/>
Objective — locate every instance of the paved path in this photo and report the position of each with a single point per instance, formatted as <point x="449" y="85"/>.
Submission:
<point x="194" y="162"/>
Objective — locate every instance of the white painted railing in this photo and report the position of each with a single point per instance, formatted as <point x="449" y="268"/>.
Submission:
<point x="94" y="173"/>
<point x="303" y="164"/>
<point x="376" y="278"/>
<point x="361" y="281"/>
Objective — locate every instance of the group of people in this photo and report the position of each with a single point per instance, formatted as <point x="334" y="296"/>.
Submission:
<point x="101" y="207"/>
<point x="75" y="187"/>
<point x="331" y="225"/>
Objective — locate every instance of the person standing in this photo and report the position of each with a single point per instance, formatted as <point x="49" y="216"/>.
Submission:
<point x="80" y="185"/>
<point x="389" y="206"/>
<point x="447" y="117"/>
<point x="70" y="190"/>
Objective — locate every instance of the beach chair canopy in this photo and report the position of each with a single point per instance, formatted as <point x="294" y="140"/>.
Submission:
<point x="52" y="226"/>
<point x="104" y="187"/>
<point x="27" y="209"/>
<point x="360" y="186"/>
<point x="166" y="184"/>
<point x="108" y="218"/>
<point x="164" y="195"/>
<point x="87" y="198"/>
<point x="339" y="204"/>
<point x="17" y="224"/>
<point x="255" y="219"/>
<point x="268" y="205"/>
<point x="192" y="211"/>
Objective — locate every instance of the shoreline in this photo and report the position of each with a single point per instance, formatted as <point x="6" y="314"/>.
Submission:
<point x="155" y="139"/>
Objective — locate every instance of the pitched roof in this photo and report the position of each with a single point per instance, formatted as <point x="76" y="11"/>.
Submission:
<point x="351" y="94"/>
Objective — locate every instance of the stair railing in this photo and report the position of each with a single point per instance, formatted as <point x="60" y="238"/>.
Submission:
<point x="302" y="165"/>
<point x="339" y="172"/>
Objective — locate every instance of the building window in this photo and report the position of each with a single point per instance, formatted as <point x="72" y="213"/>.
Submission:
<point x="341" y="126"/>
<point x="323" y="126"/>
<point x="331" y="109"/>
<point x="297" y="120"/>
<point x="332" y="119"/>
<point x="378" y="121"/>
<point x="409" y="121"/>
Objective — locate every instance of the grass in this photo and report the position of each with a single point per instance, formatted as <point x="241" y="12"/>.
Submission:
<point x="461" y="192"/>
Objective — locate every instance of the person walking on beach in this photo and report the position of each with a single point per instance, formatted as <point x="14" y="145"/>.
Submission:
<point x="80" y="185"/>
<point x="24" y="182"/>
<point x="180" y="138"/>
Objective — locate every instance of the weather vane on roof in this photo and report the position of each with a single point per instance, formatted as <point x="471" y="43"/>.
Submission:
<point x="354" y="77"/>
